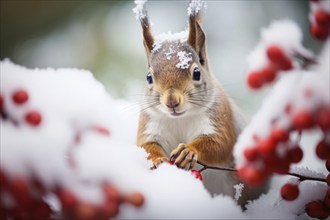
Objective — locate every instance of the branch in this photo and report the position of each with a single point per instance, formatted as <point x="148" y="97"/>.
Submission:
<point x="301" y="177"/>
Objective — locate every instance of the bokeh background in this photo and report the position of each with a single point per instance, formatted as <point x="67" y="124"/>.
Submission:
<point x="105" y="38"/>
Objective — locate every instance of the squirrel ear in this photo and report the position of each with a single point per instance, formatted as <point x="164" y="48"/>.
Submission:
<point x="148" y="39"/>
<point x="197" y="39"/>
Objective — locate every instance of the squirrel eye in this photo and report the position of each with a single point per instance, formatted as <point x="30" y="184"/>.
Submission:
<point x="149" y="78"/>
<point x="196" y="74"/>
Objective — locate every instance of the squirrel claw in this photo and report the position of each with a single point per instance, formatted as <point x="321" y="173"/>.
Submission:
<point x="184" y="157"/>
<point x="158" y="161"/>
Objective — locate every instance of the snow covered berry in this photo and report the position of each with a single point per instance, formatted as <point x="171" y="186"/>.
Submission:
<point x="278" y="57"/>
<point x="290" y="191"/>
<point x="33" y="118"/>
<point x="20" y="96"/>
<point x="197" y="174"/>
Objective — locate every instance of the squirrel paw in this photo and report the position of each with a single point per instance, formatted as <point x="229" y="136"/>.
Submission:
<point x="184" y="157"/>
<point x="157" y="161"/>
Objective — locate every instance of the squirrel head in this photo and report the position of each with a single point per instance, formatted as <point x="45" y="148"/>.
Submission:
<point x="178" y="80"/>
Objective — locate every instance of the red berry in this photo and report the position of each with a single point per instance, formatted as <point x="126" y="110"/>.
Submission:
<point x="251" y="154"/>
<point x="20" y="96"/>
<point x="276" y="55"/>
<point x="19" y="187"/>
<point x="251" y="175"/>
<point x="41" y="210"/>
<point x="111" y="193"/>
<point x="33" y="118"/>
<point x="279" y="135"/>
<point x="67" y="198"/>
<point x="317" y="209"/>
<point x="319" y="33"/>
<point x="254" y="80"/>
<point x="197" y="174"/>
<point x="323" y="150"/>
<point x="302" y="120"/>
<point x="269" y="73"/>
<point x="171" y="162"/>
<point x="267" y="147"/>
<point x="277" y="165"/>
<point x="323" y="118"/>
<point x="327" y="165"/>
<point x="289" y="191"/>
<point x="322" y="18"/>
<point x="136" y="199"/>
<point x="102" y="130"/>
<point x="327" y="198"/>
<point x="2" y="103"/>
<point x="295" y="155"/>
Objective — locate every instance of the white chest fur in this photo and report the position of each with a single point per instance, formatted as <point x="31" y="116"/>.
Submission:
<point x="170" y="132"/>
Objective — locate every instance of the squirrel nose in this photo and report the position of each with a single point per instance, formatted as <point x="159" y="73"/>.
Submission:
<point x="173" y="103"/>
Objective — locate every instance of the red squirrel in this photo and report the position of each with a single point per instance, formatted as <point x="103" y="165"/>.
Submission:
<point x="186" y="115"/>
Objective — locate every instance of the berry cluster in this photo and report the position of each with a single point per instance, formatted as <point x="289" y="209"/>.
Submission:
<point x="24" y="196"/>
<point x="321" y="208"/>
<point x="19" y="98"/>
<point x="304" y="109"/>
<point x="320" y="20"/>
<point x="278" y="60"/>
<point x="24" y="199"/>
<point x="275" y="153"/>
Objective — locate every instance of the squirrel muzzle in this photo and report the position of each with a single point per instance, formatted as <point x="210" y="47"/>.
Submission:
<point x="173" y="101"/>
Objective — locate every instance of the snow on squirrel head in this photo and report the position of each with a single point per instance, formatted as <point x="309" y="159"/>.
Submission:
<point x="178" y="80"/>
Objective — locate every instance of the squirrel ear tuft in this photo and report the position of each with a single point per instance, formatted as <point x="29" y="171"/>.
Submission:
<point x="148" y="39"/>
<point x="197" y="38"/>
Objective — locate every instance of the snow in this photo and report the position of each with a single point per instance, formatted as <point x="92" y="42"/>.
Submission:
<point x="284" y="33"/>
<point x="195" y="6"/>
<point x="73" y="103"/>
<point x="184" y="59"/>
<point x="139" y="9"/>
<point x="178" y="37"/>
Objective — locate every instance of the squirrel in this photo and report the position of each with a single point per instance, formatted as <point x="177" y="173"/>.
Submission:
<point x="186" y="114"/>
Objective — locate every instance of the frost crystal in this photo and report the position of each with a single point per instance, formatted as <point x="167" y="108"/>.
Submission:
<point x="238" y="190"/>
<point x="195" y="6"/>
<point x="139" y="10"/>
<point x="184" y="58"/>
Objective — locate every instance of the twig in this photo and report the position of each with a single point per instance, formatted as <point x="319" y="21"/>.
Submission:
<point x="301" y="177"/>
